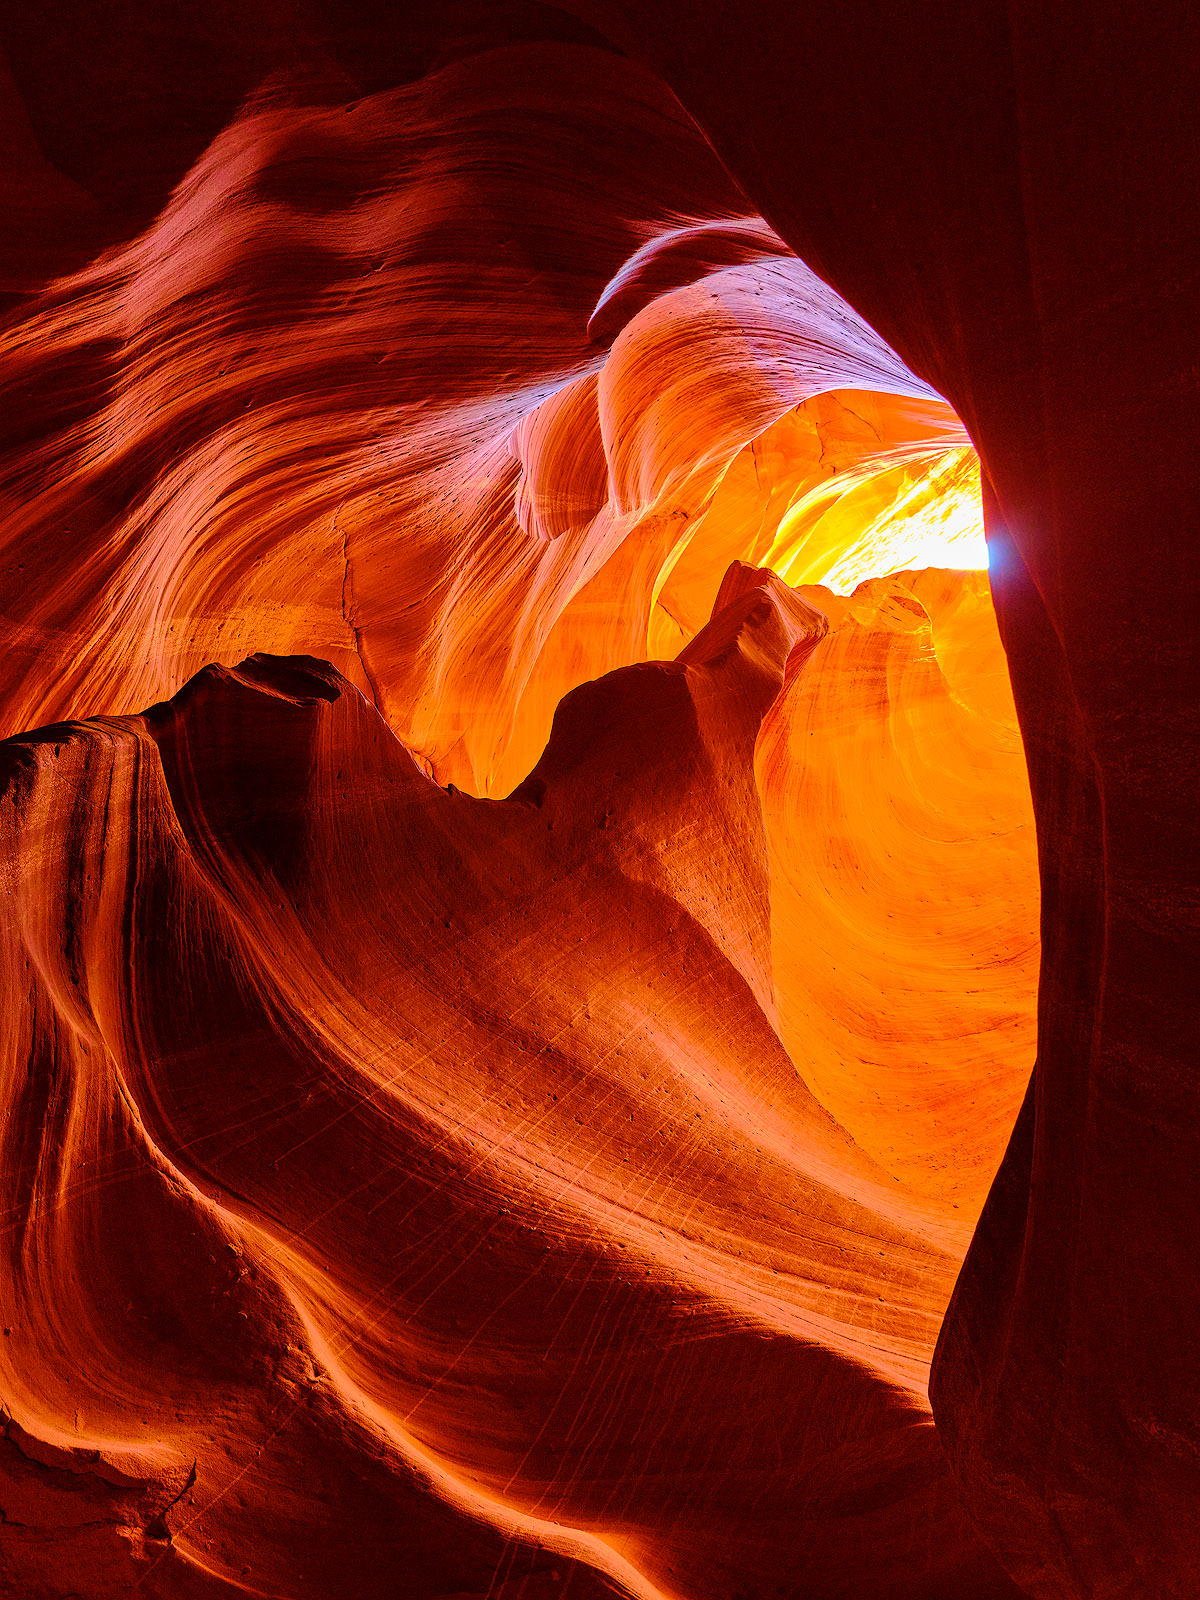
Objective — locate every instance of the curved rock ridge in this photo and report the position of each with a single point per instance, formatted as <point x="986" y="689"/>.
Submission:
<point x="532" y="1194"/>
<point x="477" y="388"/>
<point x="1001" y="199"/>
<point x="438" y="1158"/>
<point x="674" y="258"/>
<point x="341" y="398"/>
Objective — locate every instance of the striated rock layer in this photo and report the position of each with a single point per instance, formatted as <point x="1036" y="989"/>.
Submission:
<point x="998" y="191"/>
<point x="419" y="1191"/>
<point x="341" y="398"/>
<point x="429" y="1169"/>
<point x="558" y="1186"/>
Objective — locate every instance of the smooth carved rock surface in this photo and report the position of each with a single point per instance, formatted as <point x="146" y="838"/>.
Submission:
<point x="439" y="1158"/>
<point x="513" y="1064"/>
<point x="1003" y="205"/>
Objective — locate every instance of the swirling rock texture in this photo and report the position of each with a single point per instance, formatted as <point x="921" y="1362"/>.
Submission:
<point x="505" y="1059"/>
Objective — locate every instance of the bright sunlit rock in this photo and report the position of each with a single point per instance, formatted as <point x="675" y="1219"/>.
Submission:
<point x="925" y="512"/>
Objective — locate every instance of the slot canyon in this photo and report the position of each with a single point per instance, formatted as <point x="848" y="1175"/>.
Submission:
<point x="599" y="732"/>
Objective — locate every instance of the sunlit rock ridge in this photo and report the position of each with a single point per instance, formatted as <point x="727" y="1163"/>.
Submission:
<point x="541" y="846"/>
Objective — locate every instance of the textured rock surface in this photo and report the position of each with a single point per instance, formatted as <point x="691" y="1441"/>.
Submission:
<point x="402" y="1177"/>
<point x="464" y="374"/>
<point x="998" y="191"/>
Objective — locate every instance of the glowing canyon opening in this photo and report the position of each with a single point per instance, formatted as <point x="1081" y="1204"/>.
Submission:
<point x="597" y="982"/>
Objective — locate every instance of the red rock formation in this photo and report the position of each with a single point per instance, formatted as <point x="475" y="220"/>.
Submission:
<point x="486" y="511"/>
<point x="532" y="1195"/>
<point x="998" y="191"/>
<point x="903" y="881"/>
<point x="355" y="1117"/>
<point x="614" y="1177"/>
